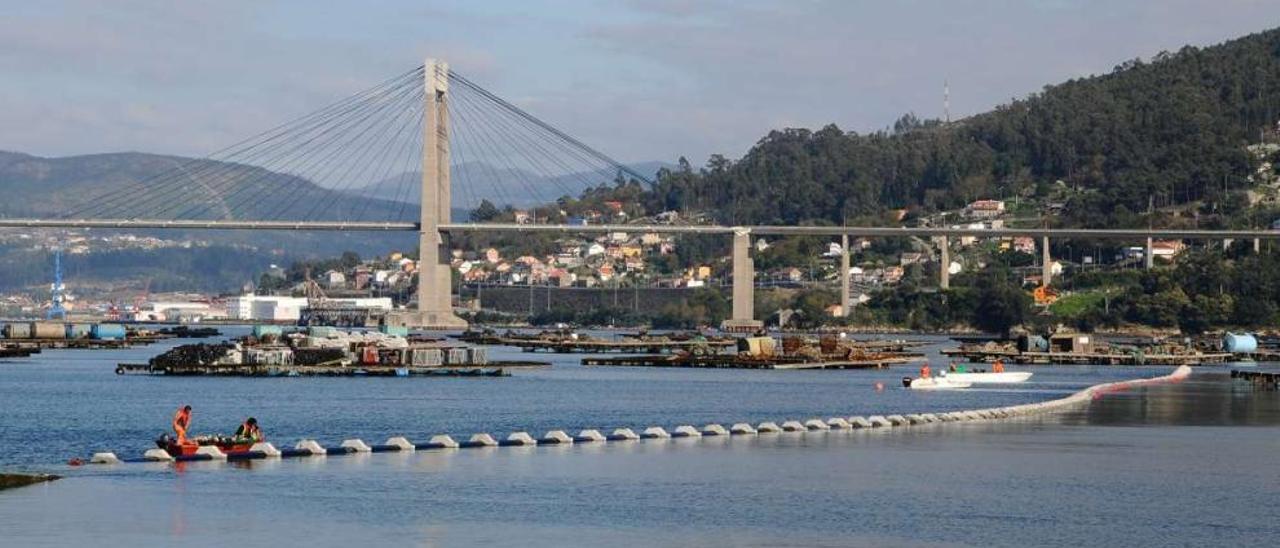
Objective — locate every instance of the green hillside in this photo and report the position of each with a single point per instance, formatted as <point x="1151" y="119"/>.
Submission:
<point x="1165" y="132"/>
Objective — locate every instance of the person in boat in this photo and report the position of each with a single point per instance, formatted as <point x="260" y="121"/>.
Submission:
<point x="181" y="422"/>
<point x="952" y="367"/>
<point x="998" y="367"/>
<point x="924" y="371"/>
<point x="249" y="430"/>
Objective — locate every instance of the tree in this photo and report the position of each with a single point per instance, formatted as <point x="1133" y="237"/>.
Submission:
<point x="1001" y="303"/>
<point x="485" y="212"/>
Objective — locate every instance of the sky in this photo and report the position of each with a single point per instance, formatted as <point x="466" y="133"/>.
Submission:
<point x="639" y="80"/>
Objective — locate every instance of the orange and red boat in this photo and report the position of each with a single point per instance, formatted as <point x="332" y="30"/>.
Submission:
<point x="226" y="444"/>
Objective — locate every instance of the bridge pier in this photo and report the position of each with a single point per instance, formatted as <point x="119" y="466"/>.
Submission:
<point x="1149" y="257"/>
<point x="435" y="282"/>
<point x="1046" y="263"/>
<point x="844" y="276"/>
<point x="743" y="316"/>
<point x="944" y="260"/>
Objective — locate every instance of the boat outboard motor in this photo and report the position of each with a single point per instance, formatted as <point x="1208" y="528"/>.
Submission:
<point x="906" y="382"/>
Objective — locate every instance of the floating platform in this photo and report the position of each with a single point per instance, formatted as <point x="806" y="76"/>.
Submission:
<point x="17" y="351"/>
<point x="38" y="344"/>
<point x="1088" y="358"/>
<point x="491" y="369"/>
<point x="597" y="347"/>
<point x="1263" y="379"/>
<point x="739" y="362"/>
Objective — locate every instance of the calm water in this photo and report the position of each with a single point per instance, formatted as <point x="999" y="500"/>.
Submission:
<point x="1191" y="464"/>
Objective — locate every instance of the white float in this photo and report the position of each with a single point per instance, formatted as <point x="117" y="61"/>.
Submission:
<point x="266" y="449"/>
<point x="482" y="440"/>
<point x="838" y="423"/>
<point x="624" y="434"/>
<point x="860" y="422"/>
<point x="311" y="447"/>
<point x="357" y="445"/>
<point x="741" y="428"/>
<point x="157" y="455"/>
<point x="589" y="435"/>
<point x="655" y="433"/>
<point x="557" y="437"/>
<point x="768" y="428"/>
<point x="686" y="431"/>
<point x="401" y="443"/>
<point x="714" y="430"/>
<point x="104" y="458"/>
<point x="816" y="424"/>
<point x="444" y="442"/>
<point x="521" y="438"/>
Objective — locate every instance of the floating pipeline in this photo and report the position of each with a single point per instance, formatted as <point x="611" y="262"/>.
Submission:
<point x="311" y="448"/>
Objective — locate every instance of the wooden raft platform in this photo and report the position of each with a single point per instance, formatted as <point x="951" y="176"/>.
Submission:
<point x="1089" y="358"/>
<point x="1264" y="379"/>
<point x="597" y="347"/>
<point x="17" y="351"/>
<point x="493" y="369"/>
<point x="91" y="344"/>
<point x="737" y="362"/>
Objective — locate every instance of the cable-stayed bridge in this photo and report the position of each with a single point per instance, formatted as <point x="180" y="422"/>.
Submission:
<point x="387" y="159"/>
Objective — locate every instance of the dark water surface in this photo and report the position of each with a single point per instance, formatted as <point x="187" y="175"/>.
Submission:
<point x="1187" y="464"/>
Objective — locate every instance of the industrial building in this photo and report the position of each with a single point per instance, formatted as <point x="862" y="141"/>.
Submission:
<point x="277" y="308"/>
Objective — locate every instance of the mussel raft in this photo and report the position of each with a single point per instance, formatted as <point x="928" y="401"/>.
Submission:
<point x="333" y="353"/>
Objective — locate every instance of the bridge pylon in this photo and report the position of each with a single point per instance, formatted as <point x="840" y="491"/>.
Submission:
<point x="435" y="284"/>
<point x="744" y="273"/>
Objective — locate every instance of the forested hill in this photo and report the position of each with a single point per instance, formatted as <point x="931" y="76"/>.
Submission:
<point x="1168" y="131"/>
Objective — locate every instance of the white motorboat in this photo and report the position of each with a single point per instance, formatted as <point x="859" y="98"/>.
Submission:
<point x="935" y="383"/>
<point x="1007" y="377"/>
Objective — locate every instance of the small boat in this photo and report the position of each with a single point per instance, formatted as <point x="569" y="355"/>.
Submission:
<point x="1007" y="377"/>
<point x="934" y="383"/>
<point x="226" y="444"/>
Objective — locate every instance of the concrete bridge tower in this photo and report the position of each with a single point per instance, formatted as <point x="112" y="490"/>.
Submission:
<point x="435" y="285"/>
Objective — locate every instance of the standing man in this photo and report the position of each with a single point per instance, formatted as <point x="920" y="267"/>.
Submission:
<point x="181" y="421"/>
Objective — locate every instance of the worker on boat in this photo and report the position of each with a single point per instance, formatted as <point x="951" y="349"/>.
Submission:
<point x="249" y="429"/>
<point x="952" y="367"/>
<point x="924" y="371"/>
<point x="998" y="367"/>
<point x="181" y="422"/>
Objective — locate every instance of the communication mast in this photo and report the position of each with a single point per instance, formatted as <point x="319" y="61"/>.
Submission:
<point x="946" y="101"/>
<point x="56" y="308"/>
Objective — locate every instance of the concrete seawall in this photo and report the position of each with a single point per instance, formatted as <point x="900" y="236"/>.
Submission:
<point x="655" y="434"/>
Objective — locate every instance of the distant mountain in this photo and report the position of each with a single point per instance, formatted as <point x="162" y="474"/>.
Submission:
<point x="48" y="187"/>
<point x="473" y="182"/>
<point x="33" y="186"/>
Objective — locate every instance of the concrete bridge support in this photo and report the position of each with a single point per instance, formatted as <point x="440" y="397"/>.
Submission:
<point x="435" y="291"/>
<point x="844" y="276"/>
<point x="1046" y="262"/>
<point x="944" y="262"/>
<point x="743" y="316"/>
<point x="1149" y="257"/>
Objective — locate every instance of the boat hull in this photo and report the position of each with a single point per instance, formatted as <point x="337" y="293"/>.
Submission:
<point x="1008" y="377"/>
<point x="938" y="383"/>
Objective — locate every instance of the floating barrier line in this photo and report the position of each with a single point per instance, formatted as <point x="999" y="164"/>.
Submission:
<point x="311" y="448"/>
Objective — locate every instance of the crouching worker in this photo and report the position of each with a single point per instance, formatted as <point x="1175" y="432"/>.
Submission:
<point x="249" y="430"/>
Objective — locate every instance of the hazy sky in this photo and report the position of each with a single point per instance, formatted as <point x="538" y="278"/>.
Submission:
<point x="641" y="80"/>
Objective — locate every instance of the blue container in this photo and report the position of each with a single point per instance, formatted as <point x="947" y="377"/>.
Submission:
<point x="1243" y="343"/>
<point x="79" y="330"/>
<point x="107" y="331"/>
<point x="397" y="330"/>
<point x="261" y="331"/>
